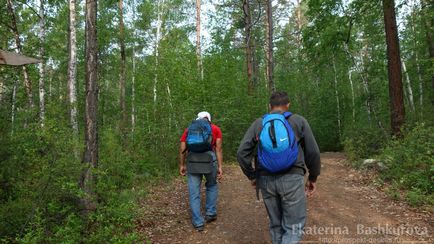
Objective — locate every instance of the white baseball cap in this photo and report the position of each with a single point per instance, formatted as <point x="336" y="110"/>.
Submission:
<point x="203" y="115"/>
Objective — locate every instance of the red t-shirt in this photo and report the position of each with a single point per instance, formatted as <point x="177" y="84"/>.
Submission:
<point x="215" y="131"/>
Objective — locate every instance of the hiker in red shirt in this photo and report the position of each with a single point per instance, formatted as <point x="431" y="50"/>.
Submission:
<point x="204" y="159"/>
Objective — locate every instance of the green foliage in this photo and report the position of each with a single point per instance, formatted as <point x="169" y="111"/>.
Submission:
<point x="39" y="193"/>
<point x="409" y="160"/>
<point x="410" y="163"/>
<point x="39" y="182"/>
<point x="363" y="142"/>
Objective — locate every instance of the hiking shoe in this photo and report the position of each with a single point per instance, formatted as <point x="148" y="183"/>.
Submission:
<point x="210" y="218"/>
<point x="199" y="228"/>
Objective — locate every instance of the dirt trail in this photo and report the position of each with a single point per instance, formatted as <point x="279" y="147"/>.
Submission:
<point x="344" y="210"/>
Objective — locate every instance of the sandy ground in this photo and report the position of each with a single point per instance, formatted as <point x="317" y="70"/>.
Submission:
<point x="345" y="209"/>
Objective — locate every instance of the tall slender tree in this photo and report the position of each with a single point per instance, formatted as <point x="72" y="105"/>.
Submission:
<point x="338" y="104"/>
<point x="397" y="110"/>
<point x="353" y="102"/>
<point x="198" y="38"/>
<point x="133" y="75"/>
<point x="248" y="45"/>
<point x="13" y="105"/>
<point x="269" y="44"/>
<point x="412" y="23"/>
<point x="428" y="9"/>
<point x="298" y="22"/>
<point x="42" y="63"/>
<point x="160" y="5"/>
<point x="409" y="88"/>
<point x="90" y="156"/>
<point x="122" y="103"/>
<point x="2" y="88"/>
<point x="13" y="26"/>
<point x="72" y="72"/>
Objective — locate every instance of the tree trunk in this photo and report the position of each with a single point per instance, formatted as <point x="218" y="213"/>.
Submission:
<point x="410" y="90"/>
<point x="198" y="37"/>
<point x="428" y="9"/>
<point x="352" y="95"/>
<point x="364" y="80"/>
<point x="255" y="64"/>
<point x="42" y="63"/>
<point x="27" y="81"/>
<point x="247" y="43"/>
<point x="2" y="89"/>
<point x="157" y="43"/>
<point x="169" y="96"/>
<point x="369" y="106"/>
<point x="122" y="104"/>
<point x="338" y="105"/>
<point x="133" y="78"/>
<point x="13" y="106"/>
<point x="72" y="73"/>
<point x="50" y="84"/>
<point x="90" y="156"/>
<point x="269" y="44"/>
<point x="299" y="24"/>
<point x="416" y="57"/>
<point x="397" y="109"/>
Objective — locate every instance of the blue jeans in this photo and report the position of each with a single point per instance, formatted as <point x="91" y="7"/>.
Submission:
<point x="285" y="201"/>
<point x="194" y="187"/>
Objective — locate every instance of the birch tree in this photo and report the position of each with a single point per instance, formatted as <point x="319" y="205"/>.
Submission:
<point x="157" y="43"/>
<point x="72" y="70"/>
<point x="353" y="103"/>
<point x="409" y="89"/>
<point x="428" y="9"/>
<point x="299" y="23"/>
<point x="2" y="89"/>
<point x="122" y="104"/>
<point x="42" y="63"/>
<point x="198" y="37"/>
<point x="13" y="106"/>
<point x="338" y="105"/>
<point x="415" y="43"/>
<point x="133" y="76"/>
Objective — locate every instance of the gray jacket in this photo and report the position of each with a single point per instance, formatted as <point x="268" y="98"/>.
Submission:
<point x="308" y="151"/>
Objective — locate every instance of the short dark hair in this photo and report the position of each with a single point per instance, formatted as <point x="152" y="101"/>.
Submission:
<point x="279" y="98"/>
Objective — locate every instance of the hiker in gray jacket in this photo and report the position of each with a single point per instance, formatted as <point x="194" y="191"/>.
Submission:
<point x="284" y="192"/>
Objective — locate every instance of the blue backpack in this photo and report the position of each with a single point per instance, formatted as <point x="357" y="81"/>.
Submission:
<point x="199" y="136"/>
<point x="278" y="147"/>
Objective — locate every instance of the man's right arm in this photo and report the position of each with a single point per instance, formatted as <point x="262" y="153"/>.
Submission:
<point x="246" y="150"/>
<point x="182" y="151"/>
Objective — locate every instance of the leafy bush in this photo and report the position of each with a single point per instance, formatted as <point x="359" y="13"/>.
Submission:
<point x="409" y="160"/>
<point x="39" y="201"/>
<point x="410" y="163"/>
<point x="363" y="142"/>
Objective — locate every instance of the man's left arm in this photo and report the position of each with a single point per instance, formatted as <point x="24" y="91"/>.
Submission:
<point x="219" y="153"/>
<point x="312" y="158"/>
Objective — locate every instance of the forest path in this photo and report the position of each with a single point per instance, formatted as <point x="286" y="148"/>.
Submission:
<point x="343" y="207"/>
